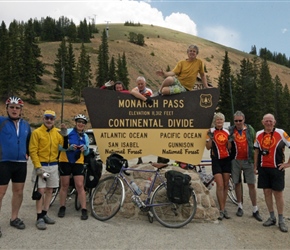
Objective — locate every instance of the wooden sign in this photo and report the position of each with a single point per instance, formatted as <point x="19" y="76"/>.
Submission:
<point x="173" y="127"/>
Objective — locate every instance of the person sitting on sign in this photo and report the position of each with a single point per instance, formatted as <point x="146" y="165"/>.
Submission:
<point x="183" y="77"/>
<point x="117" y="86"/>
<point x="141" y="91"/>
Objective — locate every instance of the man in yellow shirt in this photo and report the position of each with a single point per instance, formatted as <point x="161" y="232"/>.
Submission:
<point x="183" y="77"/>
<point x="43" y="148"/>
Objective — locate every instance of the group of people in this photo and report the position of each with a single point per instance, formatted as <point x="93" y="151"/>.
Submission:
<point x="238" y="151"/>
<point x="54" y="152"/>
<point x="60" y="152"/>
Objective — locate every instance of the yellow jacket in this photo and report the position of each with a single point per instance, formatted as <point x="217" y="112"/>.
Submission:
<point x="44" y="145"/>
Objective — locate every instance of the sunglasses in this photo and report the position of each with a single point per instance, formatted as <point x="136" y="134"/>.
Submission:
<point x="14" y="107"/>
<point x="238" y="120"/>
<point x="49" y="118"/>
<point x="82" y="122"/>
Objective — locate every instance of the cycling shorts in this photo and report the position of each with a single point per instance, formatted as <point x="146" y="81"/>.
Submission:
<point x="220" y="166"/>
<point x="66" y="168"/>
<point x="271" y="178"/>
<point x="15" y="171"/>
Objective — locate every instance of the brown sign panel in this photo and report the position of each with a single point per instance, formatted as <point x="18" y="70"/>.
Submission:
<point x="173" y="127"/>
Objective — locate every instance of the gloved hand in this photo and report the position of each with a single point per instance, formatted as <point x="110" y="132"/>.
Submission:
<point x="231" y="138"/>
<point x="39" y="171"/>
<point x="210" y="134"/>
<point x="72" y="147"/>
<point x="63" y="131"/>
<point x="149" y="101"/>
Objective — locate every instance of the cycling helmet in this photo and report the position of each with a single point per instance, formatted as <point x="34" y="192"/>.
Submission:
<point x="14" y="100"/>
<point x="114" y="163"/>
<point x="81" y="116"/>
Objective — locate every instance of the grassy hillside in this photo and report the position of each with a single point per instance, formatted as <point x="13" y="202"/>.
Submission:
<point x="163" y="47"/>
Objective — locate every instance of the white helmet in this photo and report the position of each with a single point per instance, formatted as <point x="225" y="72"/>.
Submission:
<point x="14" y="100"/>
<point x="81" y="116"/>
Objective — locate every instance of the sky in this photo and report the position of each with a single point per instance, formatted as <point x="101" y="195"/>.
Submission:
<point x="235" y="24"/>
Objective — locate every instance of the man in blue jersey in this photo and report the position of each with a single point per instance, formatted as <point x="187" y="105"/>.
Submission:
<point x="14" y="139"/>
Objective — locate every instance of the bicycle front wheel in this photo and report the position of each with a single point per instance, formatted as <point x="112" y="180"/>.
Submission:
<point x="231" y="192"/>
<point x="171" y="214"/>
<point x="55" y="192"/>
<point x="107" y="198"/>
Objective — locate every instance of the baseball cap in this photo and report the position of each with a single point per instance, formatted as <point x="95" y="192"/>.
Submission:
<point x="49" y="113"/>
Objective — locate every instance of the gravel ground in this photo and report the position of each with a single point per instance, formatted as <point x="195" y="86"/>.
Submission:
<point x="120" y="233"/>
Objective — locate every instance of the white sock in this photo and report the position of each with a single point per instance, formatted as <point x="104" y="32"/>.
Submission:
<point x="240" y="205"/>
<point x="255" y="209"/>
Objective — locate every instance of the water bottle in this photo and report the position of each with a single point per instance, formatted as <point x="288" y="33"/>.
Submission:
<point x="136" y="189"/>
<point x="147" y="186"/>
<point x="137" y="201"/>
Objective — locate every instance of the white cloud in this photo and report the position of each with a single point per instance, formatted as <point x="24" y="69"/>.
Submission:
<point x="111" y="10"/>
<point x="222" y="35"/>
<point x="284" y="30"/>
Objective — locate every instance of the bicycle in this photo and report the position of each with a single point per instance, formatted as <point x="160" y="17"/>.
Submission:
<point x="109" y="195"/>
<point x="208" y="179"/>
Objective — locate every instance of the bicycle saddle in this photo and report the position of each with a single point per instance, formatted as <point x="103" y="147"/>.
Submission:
<point x="158" y="165"/>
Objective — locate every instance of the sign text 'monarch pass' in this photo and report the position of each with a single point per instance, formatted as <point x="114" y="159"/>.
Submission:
<point x="173" y="127"/>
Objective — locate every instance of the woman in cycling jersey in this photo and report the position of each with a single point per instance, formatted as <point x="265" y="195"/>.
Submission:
<point x="71" y="162"/>
<point x="218" y="141"/>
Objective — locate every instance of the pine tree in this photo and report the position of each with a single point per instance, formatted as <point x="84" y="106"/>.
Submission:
<point x="83" y="75"/>
<point x="125" y="74"/>
<point x="279" y="103"/>
<point x="60" y="65"/>
<point x="112" y="69"/>
<point x="122" y="71"/>
<point x="103" y="60"/>
<point x="83" y="32"/>
<point x="286" y="108"/>
<point x="70" y="70"/>
<point x="245" y="90"/>
<point x="48" y="29"/>
<point x="265" y="90"/>
<point x="32" y="66"/>
<point x="15" y="61"/>
<point x="4" y="62"/>
<point x="225" y="85"/>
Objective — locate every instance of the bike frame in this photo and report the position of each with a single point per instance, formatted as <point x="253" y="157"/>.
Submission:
<point x="122" y="177"/>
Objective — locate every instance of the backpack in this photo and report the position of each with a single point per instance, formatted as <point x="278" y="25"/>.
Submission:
<point x="178" y="187"/>
<point x="115" y="162"/>
<point x="94" y="169"/>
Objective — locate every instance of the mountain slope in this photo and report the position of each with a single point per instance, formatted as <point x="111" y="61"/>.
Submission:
<point x="163" y="47"/>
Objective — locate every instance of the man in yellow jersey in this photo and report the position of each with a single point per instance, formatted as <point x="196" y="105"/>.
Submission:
<point x="183" y="77"/>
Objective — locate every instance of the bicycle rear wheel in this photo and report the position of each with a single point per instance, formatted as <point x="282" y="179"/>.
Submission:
<point x="171" y="214"/>
<point x="107" y="198"/>
<point x="77" y="202"/>
<point x="231" y="192"/>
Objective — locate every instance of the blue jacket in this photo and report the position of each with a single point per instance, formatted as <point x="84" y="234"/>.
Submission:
<point x="75" y="156"/>
<point x="13" y="146"/>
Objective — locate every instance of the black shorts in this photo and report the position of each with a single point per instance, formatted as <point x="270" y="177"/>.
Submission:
<point x="15" y="171"/>
<point x="272" y="178"/>
<point x="220" y="166"/>
<point x="66" y="168"/>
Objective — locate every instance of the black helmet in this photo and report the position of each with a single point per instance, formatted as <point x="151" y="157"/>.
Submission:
<point x="115" y="162"/>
